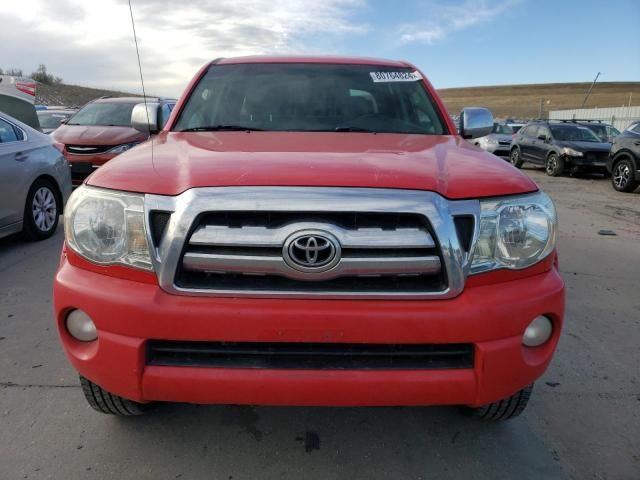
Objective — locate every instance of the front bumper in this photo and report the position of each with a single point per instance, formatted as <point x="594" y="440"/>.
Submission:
<point x="128" y="313"/>
<point x="84" y="165"/>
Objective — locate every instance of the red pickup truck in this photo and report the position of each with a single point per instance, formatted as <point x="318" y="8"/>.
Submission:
<point x="310" y="231"/>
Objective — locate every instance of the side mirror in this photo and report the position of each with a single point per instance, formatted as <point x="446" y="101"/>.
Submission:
<point x="144" y="117"/>
<point x="475" y="122"/>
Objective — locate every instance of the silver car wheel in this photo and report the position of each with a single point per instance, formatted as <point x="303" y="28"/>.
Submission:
<point x="621" y="175"/>
<point x="44" y="209"/>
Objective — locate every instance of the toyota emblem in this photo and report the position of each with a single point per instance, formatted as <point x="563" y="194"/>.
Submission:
<point x="312" y="251"/>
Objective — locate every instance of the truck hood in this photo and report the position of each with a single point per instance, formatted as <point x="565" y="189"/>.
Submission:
<point x="97" y="135"/>
<point x="445" y="164"/>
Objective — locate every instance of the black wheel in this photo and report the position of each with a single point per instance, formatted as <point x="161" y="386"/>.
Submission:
<point x="105" y="402"/>
<point x="515" y="159"/>
<point x="505" y="409"/>
<point x="554" y="166"/>
<point x="622" y="178"/>
<point x="41" y="211"/>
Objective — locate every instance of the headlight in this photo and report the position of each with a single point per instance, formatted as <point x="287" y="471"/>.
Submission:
<point x="491" y="140"/>
<point x="122" y="148"/>
<point x="515" y="232"/>
<point x="571" y="152"/>
<point x="107" y="227"/>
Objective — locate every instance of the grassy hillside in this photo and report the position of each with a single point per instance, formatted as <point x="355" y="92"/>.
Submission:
<point x="70" y="95"/>
<point x="517" y="101"/>
<point x="523" y="101"/>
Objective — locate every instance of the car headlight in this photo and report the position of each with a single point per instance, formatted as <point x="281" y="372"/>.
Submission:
<point x="107" y="227"/>
<point x="571" y="152"/>
<point x="122" y="148"/>
<point x="515" y="232"/>
<point x="491" y="140"/>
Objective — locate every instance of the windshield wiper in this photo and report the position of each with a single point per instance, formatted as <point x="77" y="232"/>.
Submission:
<point x="354" y="129"/>
<point x="217" y="128"/>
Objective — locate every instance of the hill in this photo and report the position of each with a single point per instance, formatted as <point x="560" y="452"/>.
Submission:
<point x="70" y="95"/>
<point x="523" y="101"/>
<point x="516" y="101"/>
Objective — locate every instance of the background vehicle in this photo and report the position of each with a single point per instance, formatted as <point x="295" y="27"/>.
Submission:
<point x="17" y="96"/>
<point x="286" y="181"/>
<point x="559" y="146"/>
<point x="101" y="130"/>
<point x="50" y="119"/>
<point x="515" y="127"/>
<point x="34" y="181"/>
<point x="624" y="159"/>
<point x="604" y="131"/>
<point x="498" y="141"/>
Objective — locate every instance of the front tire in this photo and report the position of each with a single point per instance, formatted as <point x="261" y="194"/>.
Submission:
<point x="554" y="166"/>
<point x="505" y="409"/>
<point x="41" y="211"/>
<point x="515" y="159"/>
<point x="105" y="402"/>
<point x="622" y="177"/>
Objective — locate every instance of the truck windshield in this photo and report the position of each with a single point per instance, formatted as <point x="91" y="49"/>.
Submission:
<point x="311" y="98"/>
<point x="116" y="114"/>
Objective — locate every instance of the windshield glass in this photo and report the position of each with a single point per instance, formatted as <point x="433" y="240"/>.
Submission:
<point x="108" y="114"/>
<point x="502" y="129"/>
<point x="310" y="97"/>
<point x="573" y="133"/>
<point x="51" y="119"/>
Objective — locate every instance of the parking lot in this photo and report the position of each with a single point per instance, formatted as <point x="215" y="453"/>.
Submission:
<point x="583" y="421"/>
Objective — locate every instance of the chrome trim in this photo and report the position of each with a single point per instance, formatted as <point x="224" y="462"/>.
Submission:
<point x="350" y="266"/>
<point x="268" y="237"/>
<point x="187" y="206"/>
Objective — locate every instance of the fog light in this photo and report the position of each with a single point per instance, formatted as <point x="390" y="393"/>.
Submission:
<point x="537" y="332"/>
<point x="81" y="327"/>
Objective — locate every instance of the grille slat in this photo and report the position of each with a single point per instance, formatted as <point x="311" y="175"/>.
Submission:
<point x="340" y="356"/>
<point x="228" y="250"/>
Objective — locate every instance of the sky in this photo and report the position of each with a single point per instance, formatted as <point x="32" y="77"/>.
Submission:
<point x="456" y="43"/>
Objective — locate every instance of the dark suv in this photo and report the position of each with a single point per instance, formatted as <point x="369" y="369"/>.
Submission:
<point x="560" y="146"/>
<point x="624" y="159"/>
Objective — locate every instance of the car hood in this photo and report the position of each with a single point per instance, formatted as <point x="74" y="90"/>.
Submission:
<point x="441" y="163"/>
<point x="587" y="146"/>
<point x="97" y="135"/>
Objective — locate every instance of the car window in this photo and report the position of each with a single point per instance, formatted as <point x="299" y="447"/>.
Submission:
<point x="574" y="133"/>
<point x="542" y="130"/>
<point x="312" y="97"/>
<point x="8" y="133"/>
<point x="165" y="111"/>
<point x="530" y="130"/>
<point x="51" y="119"/>
<point x="635" y="128"/>
<point x="107" y="114"/>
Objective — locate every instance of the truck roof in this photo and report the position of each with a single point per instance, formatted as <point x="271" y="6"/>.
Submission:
<point x="327" y="59"/>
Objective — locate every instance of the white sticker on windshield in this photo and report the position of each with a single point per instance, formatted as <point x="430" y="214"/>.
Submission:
<point x="402" y="76"/>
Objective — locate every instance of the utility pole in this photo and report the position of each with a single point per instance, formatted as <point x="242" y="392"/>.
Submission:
<point x="590" y="88"/>
<point x="541" y="107"/>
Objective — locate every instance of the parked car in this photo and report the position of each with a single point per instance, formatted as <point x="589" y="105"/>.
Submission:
<point x="515" y="127"/>
<point x="50" y="119"/>
<point x="101" y="130"/>
<point x="35" y="182"/>
<point x="560" y="147"/>
<point x="624" y="159"/>
<point x="310" y="231"/>
<point x="17" y="98"/>
<point x="498" y="141"/>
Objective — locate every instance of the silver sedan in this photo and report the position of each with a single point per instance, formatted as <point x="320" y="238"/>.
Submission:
<point x="35" y="181"/>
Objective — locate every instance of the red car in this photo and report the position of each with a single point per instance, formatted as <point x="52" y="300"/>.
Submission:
<point x="101" y="130"/>
<point x="310" y="231"/>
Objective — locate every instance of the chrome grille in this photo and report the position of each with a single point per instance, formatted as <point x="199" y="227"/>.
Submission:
<point x="88" y="149"/>
<point x="231" y="241"/>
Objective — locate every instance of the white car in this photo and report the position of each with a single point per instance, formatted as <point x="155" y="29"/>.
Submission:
<point x="498" y="141"/>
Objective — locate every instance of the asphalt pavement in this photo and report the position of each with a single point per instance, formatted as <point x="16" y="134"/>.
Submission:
<point x="583" y="420"/>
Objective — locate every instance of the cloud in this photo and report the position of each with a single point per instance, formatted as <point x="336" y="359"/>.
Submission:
<point x="90" y="43"/>
<point x="446" y="19"/>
